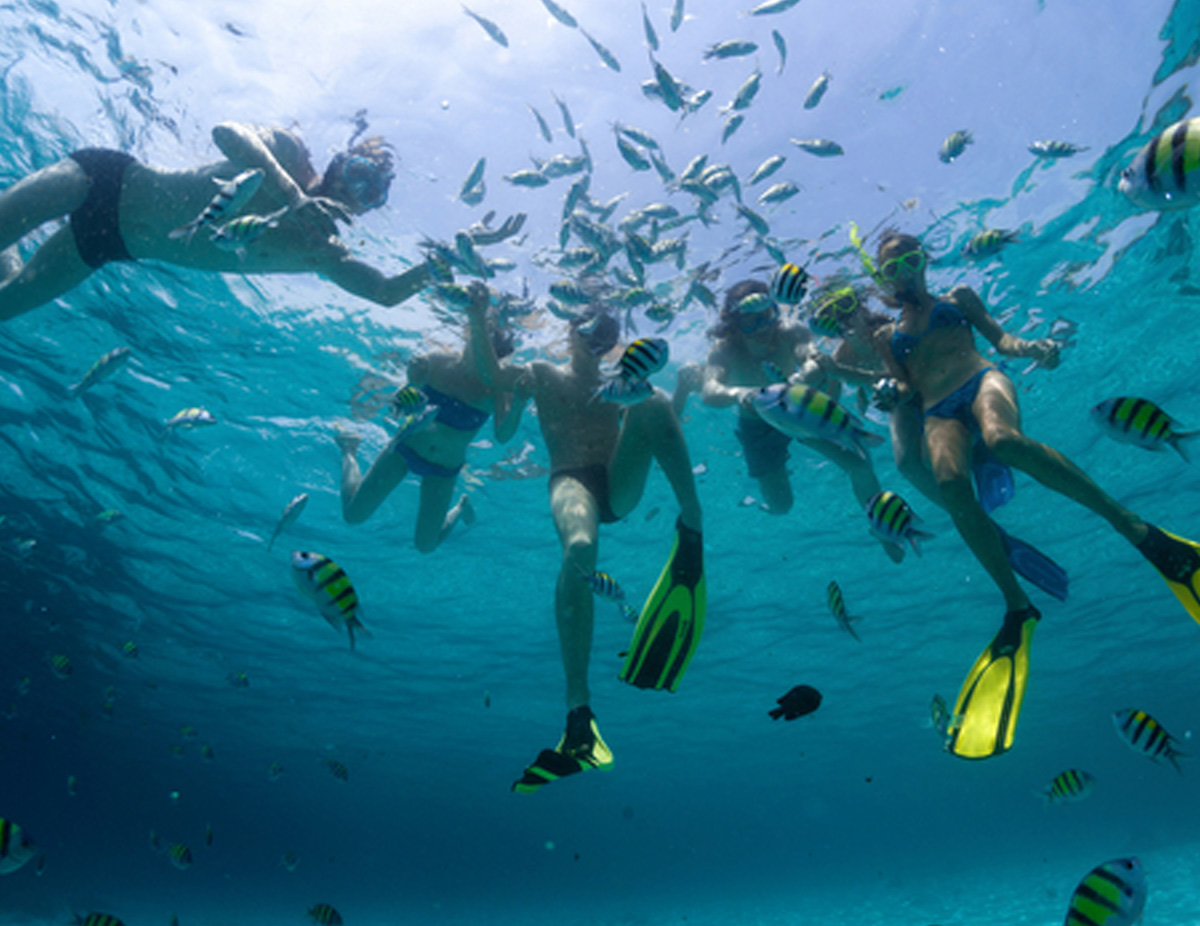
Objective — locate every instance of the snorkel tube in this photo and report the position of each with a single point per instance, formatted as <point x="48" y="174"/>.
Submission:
<point x="865" y="258"/>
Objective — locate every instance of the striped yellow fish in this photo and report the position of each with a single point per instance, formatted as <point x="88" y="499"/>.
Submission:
<point x="325" y="915"/>
<point x="323" y="582"/>
<point x="893" y="521"/>
<point x="801" y="412"/>
<point x="1140" y="422"/>
<point x="1146" y="735"/>
<point x="1072" y="785"/>
<point x="1112" y="894"/>
<point x="1163" y="175"/>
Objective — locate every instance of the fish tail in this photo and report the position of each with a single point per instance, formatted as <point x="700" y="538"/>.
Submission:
<point x="915" y="535"/>
<point x="1178" y="443"/>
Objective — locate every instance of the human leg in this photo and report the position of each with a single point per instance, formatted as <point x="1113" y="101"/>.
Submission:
<point x="863" y="481"/>
<point x="362" y="495"/>
<point x="54" y="269"/>
<point x="46" y="194"/>
<point x="651" y="431"/>
<point x="435" y="517"/>
<point x="577" y="521"/>
<point x="949" y="446"/>
<point x="908" y="450"/>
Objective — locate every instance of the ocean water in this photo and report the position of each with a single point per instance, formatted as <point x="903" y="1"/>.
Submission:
<point x="712" y="814"/>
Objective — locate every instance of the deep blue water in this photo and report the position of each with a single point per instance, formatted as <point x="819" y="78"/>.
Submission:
<point x="712" y="814"/>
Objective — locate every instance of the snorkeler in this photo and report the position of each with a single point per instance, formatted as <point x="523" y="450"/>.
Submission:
<point x="963" y="398"/>
<point x="459" y="404"/>
<point x="752" y="348"/>
<point x="121" y="210"/>
<point x="600" y="457"/>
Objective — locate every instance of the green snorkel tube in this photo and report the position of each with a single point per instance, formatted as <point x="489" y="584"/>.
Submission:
<point x="865" y="258"/>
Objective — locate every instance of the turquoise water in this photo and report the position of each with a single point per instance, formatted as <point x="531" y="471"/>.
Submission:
<point x="712" y="813"/>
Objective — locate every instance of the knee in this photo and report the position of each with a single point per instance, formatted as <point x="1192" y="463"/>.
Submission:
<point x="1008" y="444"/>
<point x="957" y="490"/>
<point x="579" y="554"/>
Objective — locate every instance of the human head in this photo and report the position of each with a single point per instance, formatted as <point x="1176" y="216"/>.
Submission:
<point x="504" y="340"/>
<point x="360" y="176"/>
<point x="835" y="306"/>
<point x="901" y="264"/>
<point x="596" y="330"/>
<point x="748" y="311"/>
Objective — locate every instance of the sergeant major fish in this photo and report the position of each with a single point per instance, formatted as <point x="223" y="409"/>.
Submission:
<point x="231" y="197"/>
<point x="16" y="848"/>
<point x="625" y="392"/>
<point x="988" y="242"/>
<point x="802" y="412"/>
<point x="1072" y="785"/>
<point x="188" y="419"/>
<point x="893" y="521"/>
<point x="643" y="358"/>
<point x="605" y="586"/>
<point x="954" y="145"/>
<point x="323" y="582"/>
<point x="1146" y="735"/>
<point x="1053" y="150"/>
<point x="101" y="370"/>
<point x="837" y="607"/>
<point x="325" y="915"/>
<point x="1112" y="894"/>
<point x="238" y="234"/>
<point x="1164" y="175"/>
<point x="1140" y="422"/>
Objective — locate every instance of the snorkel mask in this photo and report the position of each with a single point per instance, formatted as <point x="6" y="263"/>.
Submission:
<point x="366" y="180"/>
<point x="754" y="312"/>
<point x="830" y="317"/>
<point x="599" y="333"/>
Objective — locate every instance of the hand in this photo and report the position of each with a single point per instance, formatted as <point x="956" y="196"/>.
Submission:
<point x="1046" y="351"/>
<point x="481" y="233"/>
<point x="745" y="399"/>
<point x="480" y="299"/>
<point x="321" y="213"/>
<point x="885" y="394"/>
<point x="690" y="377"/>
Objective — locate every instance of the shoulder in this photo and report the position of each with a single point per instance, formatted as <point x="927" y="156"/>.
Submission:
<point x="964" y="297"/>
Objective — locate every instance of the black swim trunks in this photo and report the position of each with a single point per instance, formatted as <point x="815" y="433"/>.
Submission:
<point x="96" y="223"/>
<point x="765" y="447"/>
<point x="595" y="479"/>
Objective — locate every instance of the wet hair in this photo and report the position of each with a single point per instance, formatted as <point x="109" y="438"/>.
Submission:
<point x="605" y="333"/>
<point x="375" y="151"/>
<point x="893" y="237"/>
<point x="832" y="286"/>
<point x="727" y="323"/>
<point x="503" y="338"/>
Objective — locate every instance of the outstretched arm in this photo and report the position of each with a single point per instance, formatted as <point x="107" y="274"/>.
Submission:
<point x="361" y="279"/>
<point x="1044" y="350"/>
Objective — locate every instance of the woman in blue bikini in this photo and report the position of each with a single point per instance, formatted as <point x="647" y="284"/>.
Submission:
<point x="435" y="453"/>
<point x="931" y="351"/>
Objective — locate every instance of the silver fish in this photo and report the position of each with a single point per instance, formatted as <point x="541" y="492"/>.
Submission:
<point x="766" y="168"/>
<point x="568" y="122"/>
<point x="694" y="168"/>
<point x="954" y="145"/>
<point x="817" y="90"/>
<point x="821" y="147"/>
<point x="731" y="125"/>
<point x="1055" y="149"/>
<point x="645" y="139"/>
<point x="561" y="165"/>
<point x="231" y="197"/>
<point x="631" y="155"/>
<point x="668" y="87"/>
<point x="664" y="171"/>
<point x="781" y="47"/>
<point x="731" y="48"/>
<point x="289" y="517"/>
<point x="542" y="126"/>
<point x="659" y="211"/>
<point x="609" y="59"/>
<point x="778" y="193"/>
<point x="102" y="369"/>
<point x="677" y="16"/>
<point x="560" y="14"/>
<point x="695" y="100"/>
<point x="746" y="92"/>
<point x="494" y="31"/>
<point x="474" y="178"/>
<point x="188" y="419"/>
<point x="587" y="155"/>
<point x="526" y="178"/>
<point x="772" y="6"/>
<point x="474" y="196"/>
<point x="651" y="35"/>
<point x="757" y="222"/>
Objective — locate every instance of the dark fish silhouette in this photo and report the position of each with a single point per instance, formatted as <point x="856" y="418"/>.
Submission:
<point x="801" y="700"/>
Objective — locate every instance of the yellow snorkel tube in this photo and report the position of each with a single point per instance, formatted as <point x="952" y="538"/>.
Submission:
<point x="865" y="258"/>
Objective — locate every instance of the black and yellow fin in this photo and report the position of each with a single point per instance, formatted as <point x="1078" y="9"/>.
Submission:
<point x="672" y="620"/>
<point x="1177" y="560"/>
<point x="580" y="749"/>
<point x="984" y="720"/>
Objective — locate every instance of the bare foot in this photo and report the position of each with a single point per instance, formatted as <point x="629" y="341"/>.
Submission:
<point x="346" y="438"/>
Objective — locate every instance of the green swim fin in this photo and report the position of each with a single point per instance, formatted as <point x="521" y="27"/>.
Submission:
<point x="985" y="715"/>
<point x="668" y="630"/>
<point x="1178" y="562"/>
<point x="579" y="750"/>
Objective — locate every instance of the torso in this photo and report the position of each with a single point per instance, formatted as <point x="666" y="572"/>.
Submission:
<point x="450" y="374"/>
<point x="743" y="358"/>
<point x="944" y="356"/>
<point x="578" y="428"/>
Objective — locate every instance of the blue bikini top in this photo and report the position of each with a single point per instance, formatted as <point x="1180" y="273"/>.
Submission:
<point x="455" y="413"/>
<point x="942" y="315"/>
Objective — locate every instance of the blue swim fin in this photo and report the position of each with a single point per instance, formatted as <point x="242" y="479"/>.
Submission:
<point x="1032" y="564"/>
<point x="993" y="479"/>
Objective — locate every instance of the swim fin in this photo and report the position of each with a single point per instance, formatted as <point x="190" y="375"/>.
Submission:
<point x="668" y="630"/>
<point x="579" y="750"/>
<point x="985" y="715"/>
<point x="1178" y="561"/>
<point x="1032" y="564"/>
<point x="993" y="479"/>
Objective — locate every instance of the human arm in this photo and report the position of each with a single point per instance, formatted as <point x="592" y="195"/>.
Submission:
<point x="361" y="279"/>
<point x="246" y="146"/>
<point x="511" y="404"/>
<point x="716" y="391"/>
<point x="1045" y="351"/>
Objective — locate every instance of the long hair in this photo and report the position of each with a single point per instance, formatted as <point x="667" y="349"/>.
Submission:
<point x="727" y="320"/>
<point x="375" y="150"/>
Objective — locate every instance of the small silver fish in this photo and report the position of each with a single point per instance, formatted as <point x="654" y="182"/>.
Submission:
<point x="821" y="147"/>
<point x="474" y="178"/>
<point x="631" y="155"/>
<point x="527" y="178"/>
<point x="102" y="369"/>
<point x="237" y="234"/>
<point x="189" y="418"/>
<point x="1055" y="149"/>
<point x="560" y="14"/>
<point x="568" y="122"/>
<point x="781" y="47"/>
<point x="766" y="168"/>
<point x="636" y="135"/>
<point x="817" y="90"/>
<point x="778" y="193"/>
<point x="609" y="59"/>
<point x="648" y="28"/>
<point x="494" y="32"/>
<point x="757" y="222"/>
<point x="289" y="517"/>
<point x="731" y="48"/>
<point x="731" y="125"/>
<point x="677" y="16"/>
<point x="231" y="197"/>
<point x="772" y="6"/>
<point x="668" y="87"/>
<point x="747" y="91"/>
<point x="541" y="122"/>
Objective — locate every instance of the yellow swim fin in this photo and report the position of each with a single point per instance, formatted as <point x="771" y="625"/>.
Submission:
<point x="1177" y="560"/>
<point x="985" y="715"/>
<point x="672" y="620"/>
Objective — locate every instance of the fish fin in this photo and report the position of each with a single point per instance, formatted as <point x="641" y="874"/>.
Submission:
<point x="1178" y="443"/>
<point x="914" y="535"/>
